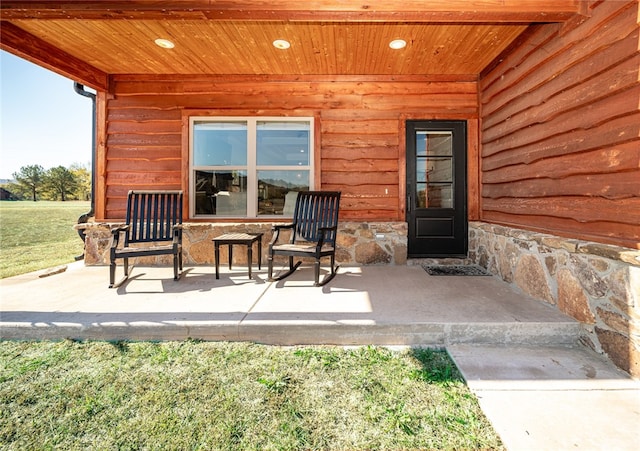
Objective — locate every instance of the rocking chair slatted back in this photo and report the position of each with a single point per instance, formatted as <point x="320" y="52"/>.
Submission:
<point x="315" y="210"/>
<point x="152" y="215"/>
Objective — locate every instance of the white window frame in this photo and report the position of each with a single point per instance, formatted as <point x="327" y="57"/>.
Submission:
<point x="252" y="167"/>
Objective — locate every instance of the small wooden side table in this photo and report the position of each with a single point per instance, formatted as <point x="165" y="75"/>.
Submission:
<point x="246" y="239"/>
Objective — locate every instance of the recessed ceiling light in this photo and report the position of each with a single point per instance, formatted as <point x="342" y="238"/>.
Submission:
<point x="164" y="43"/>
<point x="281" y="44"/>
<point x="398" y="44"/>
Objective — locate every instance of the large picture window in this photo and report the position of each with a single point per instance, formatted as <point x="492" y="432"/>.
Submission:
<point x="249" y="167"/>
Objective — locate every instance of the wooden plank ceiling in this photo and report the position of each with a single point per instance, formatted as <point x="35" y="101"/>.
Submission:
<point x="88" y="40"/>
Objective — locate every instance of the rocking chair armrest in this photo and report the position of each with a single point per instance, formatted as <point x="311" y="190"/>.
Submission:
<point x="177" y="233"/>
<point x="327" y="229"/>
<point x="115" y="232"/>
<point x="323" y="232"/>
<point x="276" y="228"/>
<point x="120" y="228"/>
<point x="282" y="226"/>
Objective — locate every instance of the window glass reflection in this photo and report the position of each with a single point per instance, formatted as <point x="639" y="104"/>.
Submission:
<point x="283" y="143"/>
<point x="220" y="144"/>
<point x="432" y="143"/>
<point x="434" y="195"/>
<point x="434" y="169"/>
<point x="221" y="193"/>
<point x="273" y="190"/>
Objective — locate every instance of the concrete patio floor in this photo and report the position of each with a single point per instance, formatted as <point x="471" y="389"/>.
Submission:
<point x="521" y="357"/>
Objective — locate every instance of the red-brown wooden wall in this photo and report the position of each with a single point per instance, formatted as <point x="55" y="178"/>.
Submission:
<point x="560" y="129"/>
<point x="359" y="125"/>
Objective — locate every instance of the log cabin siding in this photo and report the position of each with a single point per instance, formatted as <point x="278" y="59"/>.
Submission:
<point x="360" y="149"/>
<point x="140" y="152"/>
<point x="560" y="129"/>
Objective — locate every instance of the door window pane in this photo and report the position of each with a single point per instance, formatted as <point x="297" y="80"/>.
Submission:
<point x="433" y="143"/>
<point x="434" y="169"/>
<point x="441" y="169"/>
<point x="439" y="195"/>
<point x="220" y="144"/>
<point x="434" y="195"/>
<point x="283" y="143"/>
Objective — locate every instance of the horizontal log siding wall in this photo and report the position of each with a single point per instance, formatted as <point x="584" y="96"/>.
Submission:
<point x="560" y="128"/>
<point x="361" y="130"/>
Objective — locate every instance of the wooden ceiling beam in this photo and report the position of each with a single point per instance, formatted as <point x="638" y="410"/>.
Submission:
<point x="31" y="48"/>
<point x="434" y="11"/>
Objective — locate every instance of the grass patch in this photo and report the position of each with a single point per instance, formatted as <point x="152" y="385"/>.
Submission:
<point x="202" y="395"/>
<point x="38" y="235"/>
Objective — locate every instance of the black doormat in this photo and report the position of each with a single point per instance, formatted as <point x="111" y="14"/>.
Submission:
<point x="456" y="270"/>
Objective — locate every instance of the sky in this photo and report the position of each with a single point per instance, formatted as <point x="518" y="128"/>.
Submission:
<point x="42" y="119"/>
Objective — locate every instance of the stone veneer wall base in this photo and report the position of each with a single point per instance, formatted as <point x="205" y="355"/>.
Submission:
<point x="358" y="243"/>
<point x="597" y="284"/>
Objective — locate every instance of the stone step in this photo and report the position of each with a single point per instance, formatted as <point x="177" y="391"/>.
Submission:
<point x="312" y="332"/>
<point x="425" y="334"/>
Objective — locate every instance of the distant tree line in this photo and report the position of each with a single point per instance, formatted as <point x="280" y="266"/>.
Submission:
<point x="59" y="183"/>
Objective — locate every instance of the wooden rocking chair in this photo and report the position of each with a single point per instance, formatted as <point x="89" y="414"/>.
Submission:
<point x="313" y="233"/>
<point x="153" y="218"/>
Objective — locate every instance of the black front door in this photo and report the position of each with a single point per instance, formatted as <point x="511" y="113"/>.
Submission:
<point x="437" y="188"/>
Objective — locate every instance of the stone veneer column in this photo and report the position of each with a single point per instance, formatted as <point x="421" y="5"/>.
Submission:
<point x="597" y="284"/>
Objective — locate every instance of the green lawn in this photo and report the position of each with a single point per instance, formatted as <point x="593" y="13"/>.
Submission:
<point x="200" y="395"/>
<point x="38" y="235"/>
